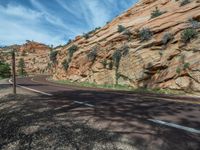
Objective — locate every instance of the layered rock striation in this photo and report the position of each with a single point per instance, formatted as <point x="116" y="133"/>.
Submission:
<point x="154" y="44"/>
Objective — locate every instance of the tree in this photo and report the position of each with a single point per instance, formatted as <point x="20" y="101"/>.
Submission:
<point x="5" y="71"/>
<point x="53" y="56"/>
<point x="21" y="66"/>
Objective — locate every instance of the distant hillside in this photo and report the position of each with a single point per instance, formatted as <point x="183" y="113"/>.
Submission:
<point x="35" y="55"/>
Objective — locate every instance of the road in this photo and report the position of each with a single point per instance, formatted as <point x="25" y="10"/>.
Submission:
<point x="152" y="120"/>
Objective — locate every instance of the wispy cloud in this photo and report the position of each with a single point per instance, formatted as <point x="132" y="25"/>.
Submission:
<point x="54" y="22"/>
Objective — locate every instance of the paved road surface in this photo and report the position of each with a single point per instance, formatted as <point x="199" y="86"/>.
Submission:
<point x="136" y="116"/>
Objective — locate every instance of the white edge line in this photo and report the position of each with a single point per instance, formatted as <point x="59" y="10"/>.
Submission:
<point x="90" y="105"/>
<point x="86" y="104"/>
<point x="36" y="91"/>
<point x="175" y="126"/>
<point x="78" y="102"/>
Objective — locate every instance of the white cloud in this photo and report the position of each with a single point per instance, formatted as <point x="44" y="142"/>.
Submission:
<point x="19" y="11"/>
<point x="25" y="27"/>
<point x="56" y="20"/>
<point x="45" y="24"/>
<point x="16" y="33"/>
<point x="99" y="15"/>
<point x="92" y="11"/>
<point x="70" y="8"/>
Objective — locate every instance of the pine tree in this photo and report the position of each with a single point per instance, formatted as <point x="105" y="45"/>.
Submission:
<point x="21" y="66"/>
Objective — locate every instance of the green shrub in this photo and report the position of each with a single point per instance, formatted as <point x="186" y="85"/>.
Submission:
<point x="65" y="64"/>
<point x="92" y="54"/>
<point x="72" y="50"/>
<point x="116" y="58"/>
<point x="34" y="60"/>
<point x="104" y="62"/>
<point x="186" y="66"/>
<point x="86" y="35"/>
<point x="127" y="33"/>
<point x="155" y="13"/>
<point x="178" y="70"/>
<point x="121" y="28"/>
<point x="5" y="71"/>
<point x="184" y="2"/>
<point x="49" y="65"/>
<point x="53" y="55"/>
<point x="166" y="38"/>
<point x="145" y="34"/>
<point x="161" y="53"/>
<point x="69" y="41"/>
<point x="188" y="34"/>
<point x="21" y="66"/>
<point x="110" y="65"/>
<point x="182" y="58"/>
<point x="194" y="23"/>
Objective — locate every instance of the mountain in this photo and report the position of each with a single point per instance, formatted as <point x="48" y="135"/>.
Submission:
<point x="154" y="44"/>
<point x="35" y="55"/>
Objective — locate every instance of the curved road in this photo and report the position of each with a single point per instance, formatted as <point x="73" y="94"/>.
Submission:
<point x="170" y="119"/>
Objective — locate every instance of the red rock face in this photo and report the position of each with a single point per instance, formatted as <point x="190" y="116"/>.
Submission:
<point x="173" y="65"/>
<point x="35" y="55"/>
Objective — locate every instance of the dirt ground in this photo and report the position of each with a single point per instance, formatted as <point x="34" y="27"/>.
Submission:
<point x="27" y="122"/>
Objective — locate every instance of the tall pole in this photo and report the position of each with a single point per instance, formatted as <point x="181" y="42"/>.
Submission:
<point x="14" y="72"/>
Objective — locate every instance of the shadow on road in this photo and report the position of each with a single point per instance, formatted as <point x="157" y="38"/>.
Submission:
<point x="59" y="123"/>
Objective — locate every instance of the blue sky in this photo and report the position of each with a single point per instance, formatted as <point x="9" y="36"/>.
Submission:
<point x="54" y="21"/>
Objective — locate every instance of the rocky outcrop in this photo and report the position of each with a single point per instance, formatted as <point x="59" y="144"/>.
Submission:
<point x="164" y="61"/>
<point x="35" y="55"/>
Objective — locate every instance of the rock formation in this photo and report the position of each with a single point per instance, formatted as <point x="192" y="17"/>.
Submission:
<point x="154" y="44"/>
<point x="35" y="55"/>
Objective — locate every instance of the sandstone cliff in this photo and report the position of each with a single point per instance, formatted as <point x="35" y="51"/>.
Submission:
<point x="151" y="44"/>
<point x="35" y="55"/>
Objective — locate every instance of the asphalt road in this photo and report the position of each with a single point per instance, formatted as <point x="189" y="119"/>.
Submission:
<point x="153" y="121"/>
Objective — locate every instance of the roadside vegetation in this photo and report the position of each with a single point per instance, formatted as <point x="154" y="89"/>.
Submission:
<point x="5" y="71"/>
<point x="117" y="87"/>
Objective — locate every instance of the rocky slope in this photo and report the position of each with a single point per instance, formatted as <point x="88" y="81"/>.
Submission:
<point x="35" y="55"/>
<point x="162" y="55"/>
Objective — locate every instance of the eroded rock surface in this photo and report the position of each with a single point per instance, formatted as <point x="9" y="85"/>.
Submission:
<point x="171" y="65"/>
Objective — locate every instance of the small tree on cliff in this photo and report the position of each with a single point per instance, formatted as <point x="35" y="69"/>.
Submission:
<point x="53" y="56"/>
<point x="92" y="54"/>
<point x="116" y="59"/>
<point x="21" y="66"/>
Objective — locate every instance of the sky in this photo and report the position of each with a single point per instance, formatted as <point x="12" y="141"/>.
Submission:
<point x="54" y="21"/>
